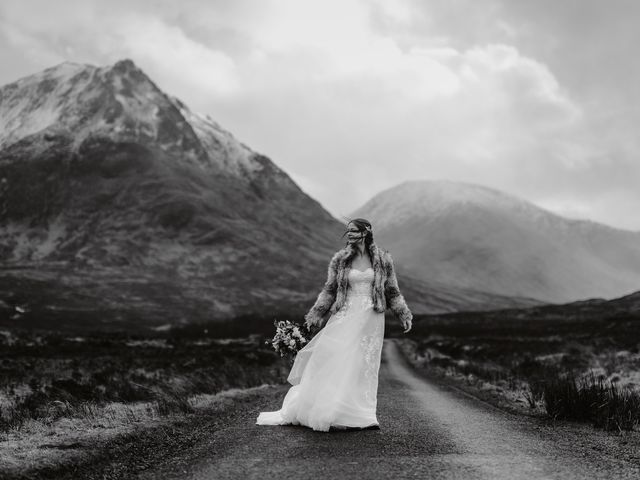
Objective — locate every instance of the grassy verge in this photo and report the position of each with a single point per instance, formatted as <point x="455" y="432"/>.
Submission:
<point x="591" y="399"/>
<point x="124" y="440"/>
<point x="581" y="371"/>
<point x="61" y="397"/>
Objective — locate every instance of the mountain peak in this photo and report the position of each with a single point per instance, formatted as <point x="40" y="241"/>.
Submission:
<point x="456" y="191"/>
<point x="127" y="69"/>
<point x="126" y="64"/>
<point x="80" y="100"/>
<point x="437" y="197"/>
<point x="121" y="103"/>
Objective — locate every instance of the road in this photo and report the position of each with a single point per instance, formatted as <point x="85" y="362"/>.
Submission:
<point x="427" y="430"/>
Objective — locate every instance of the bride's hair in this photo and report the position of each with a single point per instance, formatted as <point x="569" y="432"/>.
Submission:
<point x="364" y="226"/>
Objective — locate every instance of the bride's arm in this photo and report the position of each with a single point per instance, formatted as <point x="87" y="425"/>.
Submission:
<point x="326" y="297"/>
<point x="395" y="300"/>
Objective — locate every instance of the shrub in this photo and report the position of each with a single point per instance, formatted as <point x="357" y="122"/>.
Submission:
<point x="593" y="400"/>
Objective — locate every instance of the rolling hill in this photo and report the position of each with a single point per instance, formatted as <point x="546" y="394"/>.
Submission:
<point x="469" y="236"/>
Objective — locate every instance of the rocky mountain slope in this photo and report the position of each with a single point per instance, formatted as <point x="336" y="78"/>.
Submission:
<point x="103" y="172"/>
<point x="470" y="236"/>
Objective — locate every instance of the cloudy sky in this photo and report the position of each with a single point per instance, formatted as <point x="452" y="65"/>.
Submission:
<point x="540" y="99"/>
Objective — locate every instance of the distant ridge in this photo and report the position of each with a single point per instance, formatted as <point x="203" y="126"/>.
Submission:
<point x="470" y="236"/>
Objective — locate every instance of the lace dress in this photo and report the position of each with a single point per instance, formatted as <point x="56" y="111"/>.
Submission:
<point x="335" y="376"/>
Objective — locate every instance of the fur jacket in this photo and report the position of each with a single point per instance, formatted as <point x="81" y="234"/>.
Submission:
<point x="385" y="291"/>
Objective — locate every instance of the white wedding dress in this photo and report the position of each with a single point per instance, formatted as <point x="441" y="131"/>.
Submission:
<point x="335" y="376"/>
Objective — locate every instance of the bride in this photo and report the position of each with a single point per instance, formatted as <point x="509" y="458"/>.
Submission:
<point x="335" y="375"/>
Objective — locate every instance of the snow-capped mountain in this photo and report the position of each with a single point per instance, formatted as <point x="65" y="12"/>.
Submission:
<point x="101" y="171"/>
<point x="120" y="103"/>
<point x="475" y="237"/>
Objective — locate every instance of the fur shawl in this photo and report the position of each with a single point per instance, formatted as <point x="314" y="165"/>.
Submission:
<point x="385" y="291"/>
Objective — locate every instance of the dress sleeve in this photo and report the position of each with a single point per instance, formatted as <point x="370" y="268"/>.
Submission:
<point x="326" y="297"/>
<point x="395" y="300"/>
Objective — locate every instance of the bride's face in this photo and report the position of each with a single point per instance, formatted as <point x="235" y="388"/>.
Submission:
<point x="354" y="236"/>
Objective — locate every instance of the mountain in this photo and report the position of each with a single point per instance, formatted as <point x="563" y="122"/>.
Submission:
<point x="120" y="207"/>
<point x="469" y="236"/>
<point x="102" y="174"/>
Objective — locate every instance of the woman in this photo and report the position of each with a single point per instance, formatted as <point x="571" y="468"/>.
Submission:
<point x="335" y="376"/>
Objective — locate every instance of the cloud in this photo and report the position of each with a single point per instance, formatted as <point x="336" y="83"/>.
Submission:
<point x="173" y="56"/>
<point x="93" y="33"/>
<point x="423" y="112"/>
<point x="354" y="96"/>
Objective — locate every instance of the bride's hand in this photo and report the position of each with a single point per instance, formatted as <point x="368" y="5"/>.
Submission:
<point x="406" y="325"/>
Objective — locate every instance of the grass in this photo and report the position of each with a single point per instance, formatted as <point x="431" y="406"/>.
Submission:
<point x="592" y="399"/>
<point x="45" y="377"/>
<point x="83" y="441"/>
<point x="572" y="367"/>
<point x="65" y="398"/>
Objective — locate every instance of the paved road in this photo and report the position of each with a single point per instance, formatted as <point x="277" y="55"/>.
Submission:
<point x="426" y="431"/>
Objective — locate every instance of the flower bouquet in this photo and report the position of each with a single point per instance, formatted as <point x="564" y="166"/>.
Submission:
<point x="289" y="338"/>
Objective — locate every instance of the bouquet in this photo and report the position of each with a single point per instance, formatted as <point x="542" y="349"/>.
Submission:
<point x="289" y="338"/>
